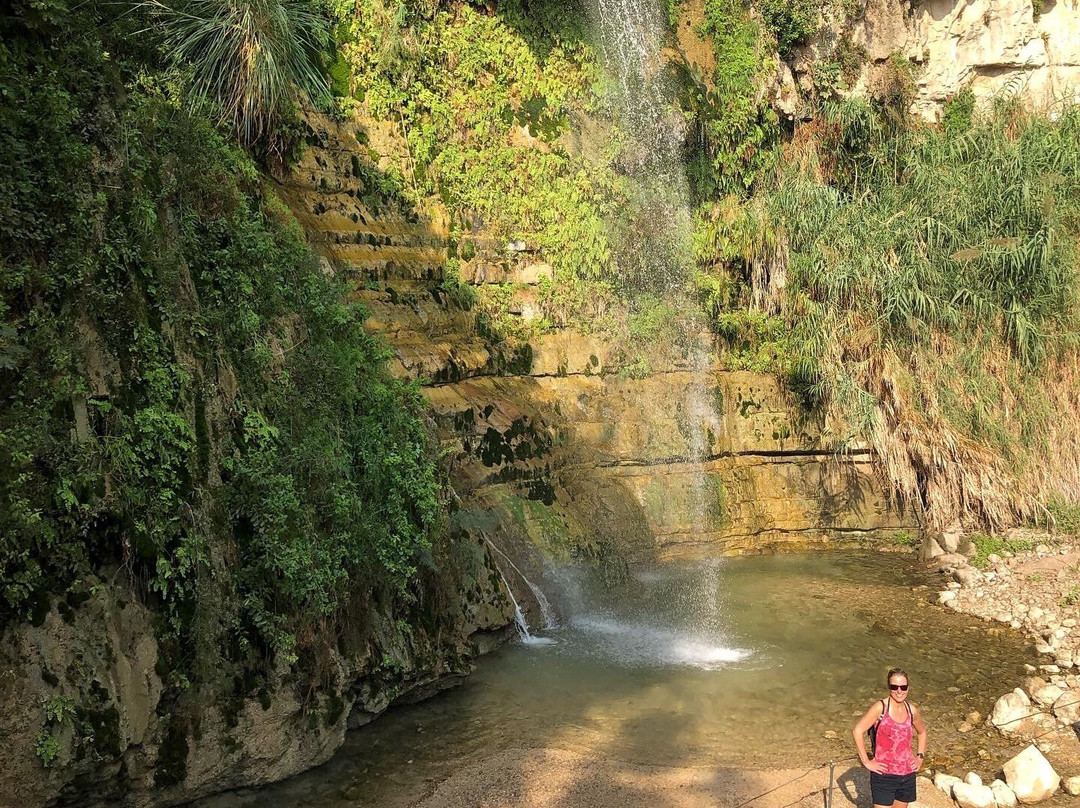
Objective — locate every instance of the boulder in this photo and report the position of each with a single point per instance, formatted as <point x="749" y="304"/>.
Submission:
<point x="973" y="796"/>
<point x="1016" y="717"/>
<point x="946" y="596"/>
<point x="1030" y="776"/>
<point x="931" y="549"/>
<point x="951" y="538"/>
<point x="1067" y="707"/>
<point x="946" y="782"/>
<point x="1072" y="785"/>
<point x="950" y="561"/>
<point x="968" y="577"/>
<point x="1042" y="692"/>
<point x="1003" y="795"/>
<point x="973" y="779"/>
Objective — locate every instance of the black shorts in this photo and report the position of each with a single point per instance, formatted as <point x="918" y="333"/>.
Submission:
<point x="887" y="788"/>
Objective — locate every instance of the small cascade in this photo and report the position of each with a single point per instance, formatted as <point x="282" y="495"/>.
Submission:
<point x="546" y="611"/>
<point x="522" y="624"/>
<point x="519" y="617"/>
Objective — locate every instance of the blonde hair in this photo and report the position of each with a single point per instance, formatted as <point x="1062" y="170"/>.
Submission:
<point x="896" y="672"/>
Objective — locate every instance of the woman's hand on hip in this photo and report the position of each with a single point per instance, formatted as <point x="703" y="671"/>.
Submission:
<point x="876" y="766"/>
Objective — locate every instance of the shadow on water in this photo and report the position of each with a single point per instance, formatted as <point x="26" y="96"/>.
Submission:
<point x="615" y="716"/>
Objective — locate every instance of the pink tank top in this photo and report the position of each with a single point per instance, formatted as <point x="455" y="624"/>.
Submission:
<point x="892" y="744"/>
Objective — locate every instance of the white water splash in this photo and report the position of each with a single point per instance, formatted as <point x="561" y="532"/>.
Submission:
<point x="636" y="644"/>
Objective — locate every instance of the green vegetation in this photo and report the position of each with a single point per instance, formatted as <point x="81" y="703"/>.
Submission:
<point x="485" y="103"/>
<point x="59" y="713"/>
<point x="1065" y="515"/>
<point x="791" y="22"/>
<point x="249" y="60"/>
<point x="186" y="395"/>
<point x="986" y="546"/>
<point x="885" y="290"/>
<point x="1070" y="598"/>
<point x="737" y="130"/>
<point x="905" y="538"/>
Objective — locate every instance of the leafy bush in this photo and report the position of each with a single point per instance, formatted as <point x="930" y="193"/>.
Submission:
<point x="185" y="393"/>
<point x="792" y="22"/>
<point x="1065" y="514"/>
<point x="738" y="133"/>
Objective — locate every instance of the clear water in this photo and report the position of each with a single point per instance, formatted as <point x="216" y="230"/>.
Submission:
<point x="742" y="662"/>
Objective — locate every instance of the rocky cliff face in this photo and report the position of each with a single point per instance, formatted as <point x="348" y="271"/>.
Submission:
<point x="1028" y="48"/>
<point x="87" y="674"/>
<point x="556" y="451"/>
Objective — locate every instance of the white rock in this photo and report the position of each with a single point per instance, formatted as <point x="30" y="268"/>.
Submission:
<point x="1018" y="624"/>
<point x="1042" y="548"/>
<point x="1035" y="614"/>
<point x="1069" y="622"/>
<point x="1003" y="795"/>
<point x="953" y="585"/>
<point x="945" y="597"/>
<point x="1043" y="693"/>
<point x="1010" y="706"/>
<point x="1072" y="785"/>
<point x="968" y="795"/>
<point x="1051" y="669"/>
<point x="1067" y="707"/>
<point x="946" y="782"/>
<point x="973" y="779"/>
<point x="1015" y="717"/>
<point x="1030" y="776"/>
<point x="993" y="559"/>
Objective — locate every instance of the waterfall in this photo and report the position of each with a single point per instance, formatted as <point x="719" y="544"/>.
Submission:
<point x="541" y="600"/>
<point x="519" y="617"/>
<point x="631" y="34"/>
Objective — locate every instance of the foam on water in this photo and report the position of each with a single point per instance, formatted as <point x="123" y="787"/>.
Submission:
<point x="533" y="640"/>
<point x="643" y="644"/>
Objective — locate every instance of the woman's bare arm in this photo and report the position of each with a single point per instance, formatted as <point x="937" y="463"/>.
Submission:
<point x="920" y="727"/>
<point x="861" y="727"/>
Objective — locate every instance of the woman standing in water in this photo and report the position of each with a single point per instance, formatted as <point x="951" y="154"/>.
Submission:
<point x="893" y="767"/>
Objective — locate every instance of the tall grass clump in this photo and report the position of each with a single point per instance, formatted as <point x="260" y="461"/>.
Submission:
<point x="929" y="278"/>
<point x="250" y="60"/>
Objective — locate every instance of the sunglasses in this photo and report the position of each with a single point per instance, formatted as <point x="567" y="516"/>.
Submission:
<point x="898" y="687"/>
